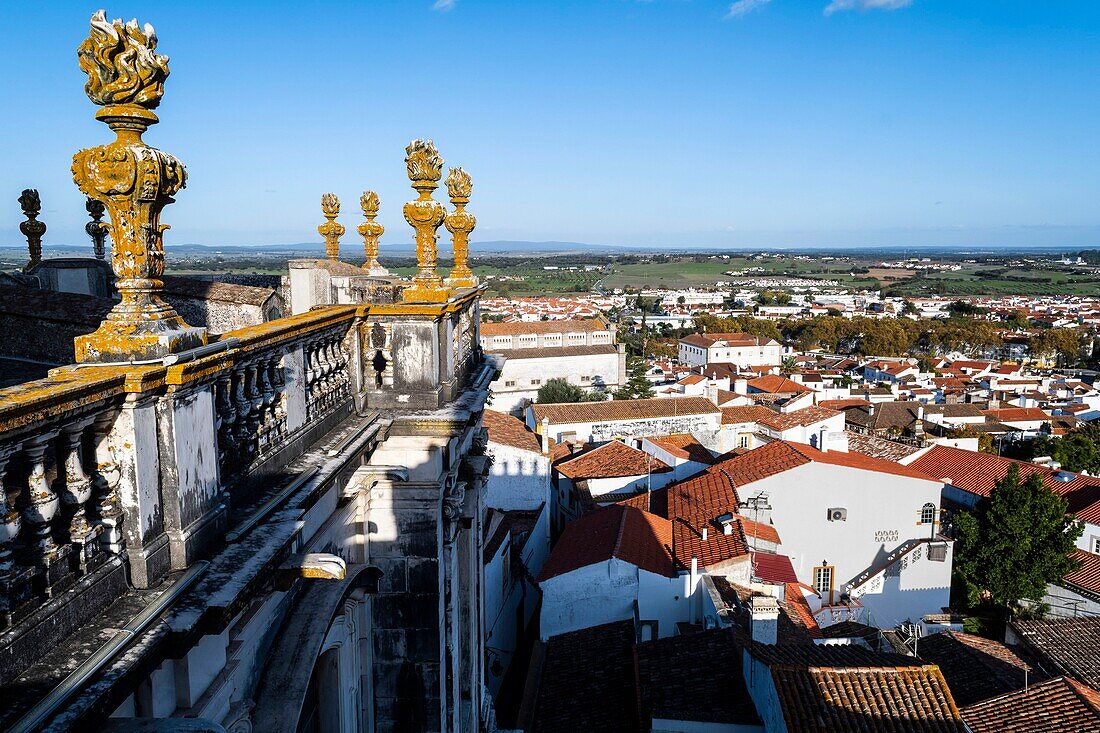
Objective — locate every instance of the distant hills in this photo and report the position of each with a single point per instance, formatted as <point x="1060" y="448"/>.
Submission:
<point x="550" y="248"/>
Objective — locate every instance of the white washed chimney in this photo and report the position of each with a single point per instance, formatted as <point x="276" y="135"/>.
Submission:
<point x="764" y="611"/>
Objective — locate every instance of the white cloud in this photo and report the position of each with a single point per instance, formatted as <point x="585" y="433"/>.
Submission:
<point x="443" y="5"/>
<point x="838" y="5"/>
<point x="742" y="7"/>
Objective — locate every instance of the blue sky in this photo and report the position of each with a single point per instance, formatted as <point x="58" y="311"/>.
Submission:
<point x="668" y="122"/>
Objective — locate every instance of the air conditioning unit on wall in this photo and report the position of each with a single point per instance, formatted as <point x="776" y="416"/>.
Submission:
<point x="838" y="514"/>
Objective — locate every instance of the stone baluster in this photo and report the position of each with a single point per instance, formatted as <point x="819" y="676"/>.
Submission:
<point x="242" y="404"/>
<point x="10" y="522"/>
<point x="279" y="381"/>
<point x="256" y="404"/>
<point x="107" y="476"/>
<point x="225" y="415"/>
<point x="42" y="503"/>
<point x="263" y="402"/>
<point x="75" y="489"/>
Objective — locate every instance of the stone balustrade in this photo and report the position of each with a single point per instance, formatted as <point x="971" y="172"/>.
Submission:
<point x="60" y="513"/>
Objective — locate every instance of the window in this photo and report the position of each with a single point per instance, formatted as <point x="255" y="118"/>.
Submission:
<point x="510" y="383"/>
<point x="744" y="441"/>
<point x="536" y="382"/>
<point x="586" y="379"/>
<point x="1095" y="544"/>
<point x="823" y="581"/>
<point x="928" y="513"/>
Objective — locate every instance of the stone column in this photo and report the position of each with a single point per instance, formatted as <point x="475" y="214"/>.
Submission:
<point x="331" y="229"/>
<point x="425" y="214"/>
<point x="135" y="182"/>
<point x="460" y="223"/>
<point x="32" y="229"/>
<point x="371" y="230"/>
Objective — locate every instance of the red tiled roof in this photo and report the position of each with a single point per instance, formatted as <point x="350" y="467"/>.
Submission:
<point x="620" y="531"/>
<point x="1018" y="414"/>
<point x="746" y="414"/>
<point x="841" y="404"/>
<point x="776" y="384"/>
<point x="872" y="700"/>
<point x="1058" y="706"/>
<point x="773" y="568"/>
<point x="782" y="455"/>
<point x="798" y="418"/>
<point x="683" y="445"/>
<point x="798" y="608"/>
<point x="764" y="532"/>
<point x="621" y="410"/>
<point x="611" y="460"/>
<point x="978" y="473"/>
<point x="1088" y="574"/>
<point x="509" y="430"/>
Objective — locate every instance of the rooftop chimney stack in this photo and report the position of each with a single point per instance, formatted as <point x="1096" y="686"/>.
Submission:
<point x="545" y="436"/>
<point x="764" y="611"/>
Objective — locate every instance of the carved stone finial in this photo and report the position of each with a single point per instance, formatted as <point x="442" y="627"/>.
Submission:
<point x="425" y="214"/>
<point x="32" y="228"/>
<point x="96" y="229"/>
<point x="331" y="230"/>
<point x="121" y="63"/>
<point x="371" y="230"/>
<point x="135" y="182"/>
<point x="460" y="223"/>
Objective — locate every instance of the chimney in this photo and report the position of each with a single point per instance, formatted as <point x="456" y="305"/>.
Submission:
<point x="822" y="439"/>
<point x="764" y="611"/>
<point x="712" y="392"/>
<point x="706" y="533"/>
<point x="545" y="436"/>
<point x="871" y="409"/>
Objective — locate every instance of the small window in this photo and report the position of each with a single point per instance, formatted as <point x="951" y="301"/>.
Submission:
<point x="586" y="379"/>
<point x="536" y="382"/>
<point x="744" y="441"/>
<point x="928" y="513"/>
<point x="510" y="383"/>
<point x="1096" y="544"/>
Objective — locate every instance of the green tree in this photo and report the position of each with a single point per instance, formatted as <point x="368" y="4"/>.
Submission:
<point x="909" y="309"/>
<point x="638" y="386"/>
<point x="1079" y="449"/>
<point x="559" y="390"/>
<point x="1014" y="542"/>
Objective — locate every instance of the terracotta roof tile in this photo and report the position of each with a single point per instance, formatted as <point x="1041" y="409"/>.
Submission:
<point x="886" y="699"/>
<point x="978" y="473"/>
<point x="1088" y="574"/>
<point x="556" y="352"/>
<point x="620" y="531"/>
<point x="617" y="410"/>
<point x="746" y="414"/>
<point x="1068" y="644"/>
<point x="776" y="384"/>
<point x="683" y="445"/>
<point x="611" y="460"/>
<point x="977" y="668"/>
<point x="773" y="568"/>
<point x="589" y="682"/>
<point x="1058" y="706"/>
<point x="798" y="418"/>
<point x="511" y="431"/>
